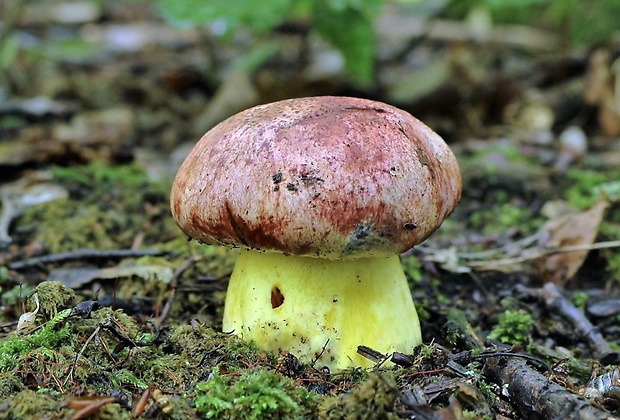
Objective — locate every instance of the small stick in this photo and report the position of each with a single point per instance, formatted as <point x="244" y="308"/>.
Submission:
<point x="320" y="354"/>
<point x="529" y="254"/>
<point x="175" y="282"/>
<point x="85" y="254"/>
<point x="77" y="356"/>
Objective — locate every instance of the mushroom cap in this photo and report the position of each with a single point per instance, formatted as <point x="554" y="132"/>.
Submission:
<point x="329" y="177"/>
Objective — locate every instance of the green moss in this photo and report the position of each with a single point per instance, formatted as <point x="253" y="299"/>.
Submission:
<point x="103" y="176"/>
<point x="108" y="207"/>
<point x="579" y="299"/>
<point x="255" y="394"/>
<point x="372" y="399"/>
<point x="10" y="384"/>
<point x="53" y="297"/>
<point x="126" y="377"/>
<point x="585" y="187"/>
<point x="200" y="343"/>
<point x="29" y="404"/>
<point x="17" y="349"/>
<point x="513" y="327"/>
<point x="458" y="331"/>
<point x="504" y="216"/>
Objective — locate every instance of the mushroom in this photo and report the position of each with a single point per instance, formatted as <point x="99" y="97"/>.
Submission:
<point x="321" y="194"/>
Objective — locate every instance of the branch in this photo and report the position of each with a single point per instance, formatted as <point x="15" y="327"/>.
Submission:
<point x="533" y="395"/>
<point x="85" y="254"/>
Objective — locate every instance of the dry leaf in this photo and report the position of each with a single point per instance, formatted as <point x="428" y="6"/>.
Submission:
<point x="598" y="76"/>
<point x="602" y="89"/>
<point x="78" y="276"/>
<point x="568" y="230"/>
<point x="453" y="411"/>
<point x="26" y="321"/>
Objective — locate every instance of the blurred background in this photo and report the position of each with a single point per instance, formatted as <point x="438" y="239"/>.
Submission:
<point x="143" y="80"/>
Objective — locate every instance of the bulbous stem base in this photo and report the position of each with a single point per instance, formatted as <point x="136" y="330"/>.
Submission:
<point x="322" y="310"/>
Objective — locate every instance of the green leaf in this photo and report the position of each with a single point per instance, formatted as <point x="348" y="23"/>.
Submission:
<point x="352" y="32"/>
<point x="347" y="24"/>
<point x="8" y="50"/>
<point x="234" y="13"/>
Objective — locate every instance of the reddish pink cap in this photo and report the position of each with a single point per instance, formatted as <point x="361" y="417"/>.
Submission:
<point x="330" y="177"/>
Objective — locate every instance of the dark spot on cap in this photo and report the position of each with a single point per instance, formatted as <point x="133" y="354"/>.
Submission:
<point x="310" y="178"/>
<point x="424" y="160"/>
<point x="409" y="226"/>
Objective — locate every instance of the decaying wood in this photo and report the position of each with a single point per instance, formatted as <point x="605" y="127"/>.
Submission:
<point x="531" y="394"/>
<point x="558" y="304"/>
<point x="534" y="396"/>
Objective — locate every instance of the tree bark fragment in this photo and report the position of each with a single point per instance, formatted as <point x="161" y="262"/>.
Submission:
<point x="534" y="396"/>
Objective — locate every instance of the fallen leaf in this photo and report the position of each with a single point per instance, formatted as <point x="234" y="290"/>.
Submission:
<point x="602" y="89"/>
<point x="26" y="321"/>
<point x="453" y="411"/>
<point x="75" y="277"/>
<point x="86" y="406"/>
<point x="568" y="230"/>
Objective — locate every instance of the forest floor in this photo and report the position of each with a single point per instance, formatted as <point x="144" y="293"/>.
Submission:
<point x="108" y="311"/>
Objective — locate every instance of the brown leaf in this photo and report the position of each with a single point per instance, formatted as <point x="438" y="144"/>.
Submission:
<point x="568" y="230"/>
<point x="453" y="411"/>
<point x="602" y="90"/>
<point x="598" y="77"/>
<point x="609" y="117"/>
<point x="86" y="406"/>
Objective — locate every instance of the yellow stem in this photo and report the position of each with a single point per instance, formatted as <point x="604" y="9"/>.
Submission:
<point x="321" y="309"/>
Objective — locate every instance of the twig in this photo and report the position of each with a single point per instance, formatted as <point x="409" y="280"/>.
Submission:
<point x="85" y="254"/>
<point x="175" y="282"/>
<point x="519" y="244"/>
<point x="558" y="304"/>
<point x="529" y="254"/>
<point x="77" y="356"/>
<point x="371" y="354"/>
<point x="320" y="354"/>
<point x="466" y="357"/>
